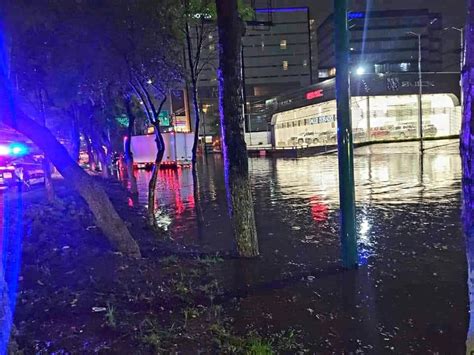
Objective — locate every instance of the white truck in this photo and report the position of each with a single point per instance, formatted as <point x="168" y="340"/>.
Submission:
<point x="178" y="149"/>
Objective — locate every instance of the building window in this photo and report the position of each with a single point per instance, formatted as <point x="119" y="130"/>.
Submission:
<point x="404" y="66"/>
<point x="305" y="62"/>
<point x="210" y="36"/>
<point x="323" y="73"/>
<point x="263" y="45"/>
<point x="212" y="47"/>
<point x="283" y="44"/>
<point x="285" y="65"/>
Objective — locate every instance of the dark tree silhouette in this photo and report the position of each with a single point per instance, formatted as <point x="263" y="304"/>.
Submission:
<point x="230" y="28"/>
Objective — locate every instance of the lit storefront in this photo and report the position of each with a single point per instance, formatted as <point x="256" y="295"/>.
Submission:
<point x="383" y="108"/>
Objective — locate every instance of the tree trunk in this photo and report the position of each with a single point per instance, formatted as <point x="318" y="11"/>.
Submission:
<point x="48" y="180"/>
<point x="467" y="128"/>
<point x="197" y="121"/>
<point x="128" y="148"/>
<point x="104" y="162"/>
<point x="106" y="216"/>
<point x="194" y="80"/>
<point x="101" y="156"/>
<point x="75" y="139"/>
<point x="467" y="154"/>
<point x="160" y="145"/>
<point x="233" y="143"/>
<point x="90" y="153"/>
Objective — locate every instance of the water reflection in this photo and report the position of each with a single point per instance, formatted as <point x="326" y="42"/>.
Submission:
<point x="301" y="195"/>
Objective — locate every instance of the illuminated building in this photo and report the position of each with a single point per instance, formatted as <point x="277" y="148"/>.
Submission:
<point x="384" y="107"/>
<point x="380" y="42"/>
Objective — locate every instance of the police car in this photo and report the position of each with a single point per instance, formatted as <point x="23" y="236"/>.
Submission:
<point x="18" y="166"/>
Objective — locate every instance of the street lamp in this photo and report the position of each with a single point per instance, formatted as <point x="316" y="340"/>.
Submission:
<point x="360" y="70"/>
<point x="461" y="46"/>
<point x="205" y="108"/>
<point x="420" y="90"/>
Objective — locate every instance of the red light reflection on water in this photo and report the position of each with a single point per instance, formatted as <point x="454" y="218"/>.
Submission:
<point x="319" y="210"/>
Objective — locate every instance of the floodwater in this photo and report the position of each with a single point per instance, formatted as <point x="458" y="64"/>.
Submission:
<point x="410" y="294"/>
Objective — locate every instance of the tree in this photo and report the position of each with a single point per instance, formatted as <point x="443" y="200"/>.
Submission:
<point x="467" y="128"/>
<point x="127" y="102"/>
<point x="199" y="25"/>
<point x="145" y="40"/>
<point x="467" y="154"/>
<point x="197" y="15"/>
<point x="14" y="116"/>
<point x="240" y="202"/>
<point x="31" y="81"/>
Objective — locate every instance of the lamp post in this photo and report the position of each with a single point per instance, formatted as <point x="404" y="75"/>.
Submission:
<point x="461" y="43"/>
<point x="348" y="233"/>
<point x="204" y="111"/>
<point x="420" y="90"/>
<point x="461" y="57"/>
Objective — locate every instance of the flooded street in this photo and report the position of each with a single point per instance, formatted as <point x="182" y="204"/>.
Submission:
<point x="409" y="295"/>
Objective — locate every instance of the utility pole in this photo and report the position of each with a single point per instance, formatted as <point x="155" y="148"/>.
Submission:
<point x="461" y="46"/>
<point x="420" y="91"/>
<point x="344" y="139"/>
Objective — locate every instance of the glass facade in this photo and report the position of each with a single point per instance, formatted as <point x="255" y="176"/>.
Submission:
<point x="386" y="118"/>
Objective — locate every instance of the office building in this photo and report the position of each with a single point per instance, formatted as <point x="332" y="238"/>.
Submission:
<point x="279" y="54"/>
<point x="385" y="41"/>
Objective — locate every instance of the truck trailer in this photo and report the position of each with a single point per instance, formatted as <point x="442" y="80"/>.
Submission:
<point x="178" y="150"/>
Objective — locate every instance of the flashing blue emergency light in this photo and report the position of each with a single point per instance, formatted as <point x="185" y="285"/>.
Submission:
<point x="18" y="149"/>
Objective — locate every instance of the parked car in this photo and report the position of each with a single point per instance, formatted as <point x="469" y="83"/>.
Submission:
<point x="403" y="131"/>
<point x="26" y="170"/>
<point x="306" y="137"/>
<point x="293" y="141"/>
<point x="429" y="130"/>
<point x="379" y="133"/>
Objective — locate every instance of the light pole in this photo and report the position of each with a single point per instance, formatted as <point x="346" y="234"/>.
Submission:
<point x="420" y="91"/>
<point x="461" y="59"/>
<point x="204" y="111"/>
<point x="461" y="45"/>
<point x="347" y="232"/>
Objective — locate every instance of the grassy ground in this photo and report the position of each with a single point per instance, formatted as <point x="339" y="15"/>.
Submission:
<point x="75" y="295"/>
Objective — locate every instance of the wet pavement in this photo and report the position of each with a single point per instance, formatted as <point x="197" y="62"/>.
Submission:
<point x="410" y="294"/>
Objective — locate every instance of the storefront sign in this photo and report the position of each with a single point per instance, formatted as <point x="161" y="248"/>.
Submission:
<point x="314" y="94"/>
<point x="322" y="119"/>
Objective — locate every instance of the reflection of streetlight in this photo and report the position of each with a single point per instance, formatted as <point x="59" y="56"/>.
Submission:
<point x="420" y="89"/>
